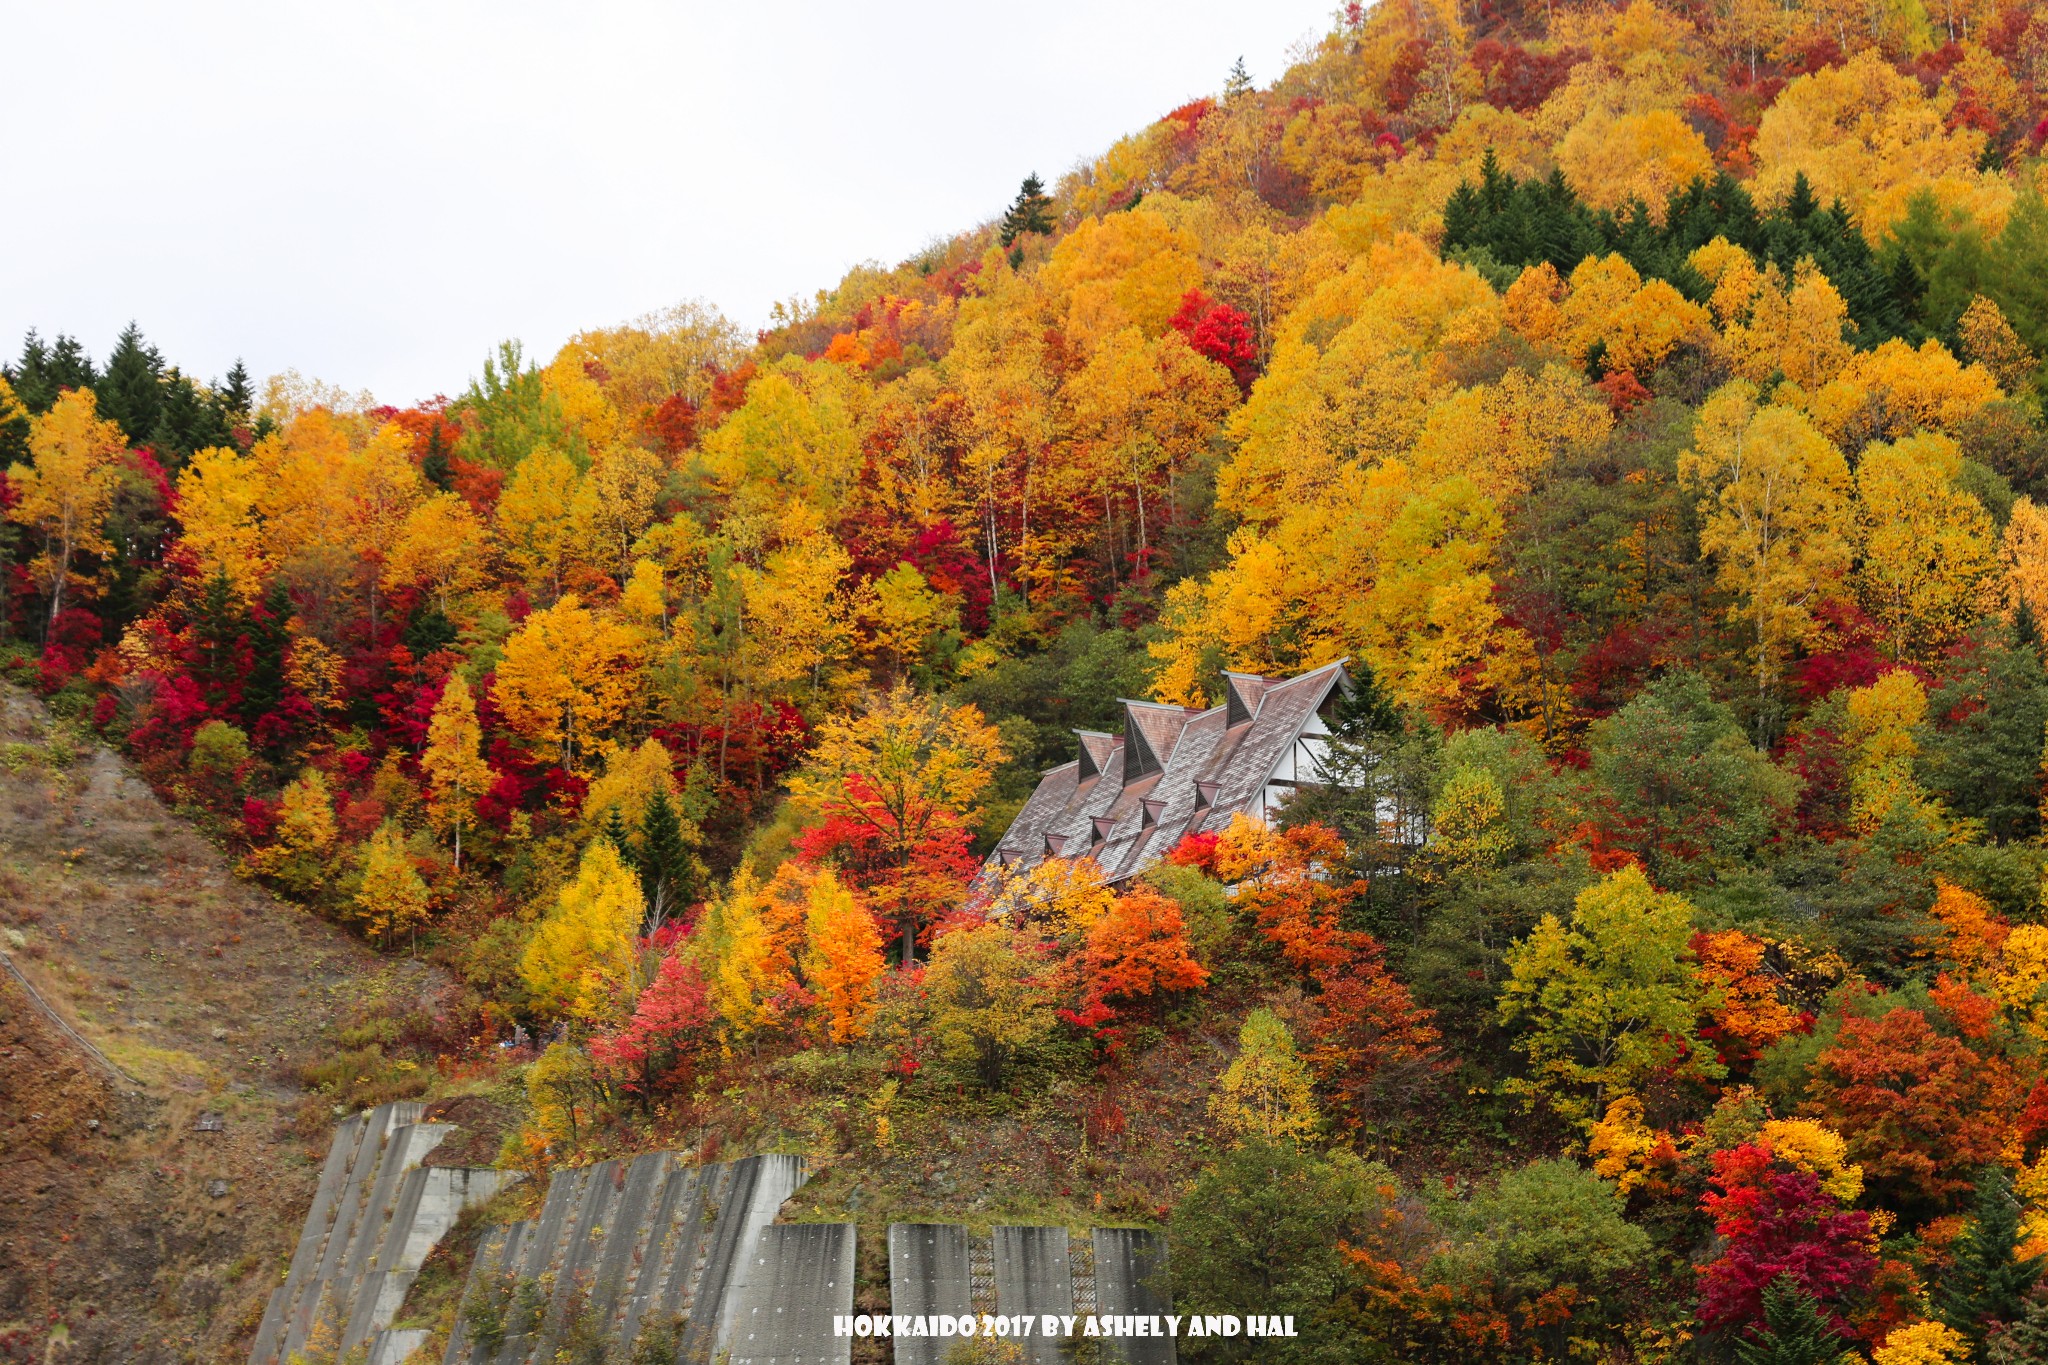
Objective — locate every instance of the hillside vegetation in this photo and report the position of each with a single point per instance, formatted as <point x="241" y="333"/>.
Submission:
<point x="1647" y="401"/>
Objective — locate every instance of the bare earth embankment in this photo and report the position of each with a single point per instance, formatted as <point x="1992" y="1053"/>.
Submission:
<point x="150" y="1196"/>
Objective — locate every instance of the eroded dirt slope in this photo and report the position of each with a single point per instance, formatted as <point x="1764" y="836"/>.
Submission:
<point x="129" y="1231"/>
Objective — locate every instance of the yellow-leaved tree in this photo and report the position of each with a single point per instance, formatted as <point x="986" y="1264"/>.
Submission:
<point x="300" y="854"/>
<point x="392" y="898"/>
<point x="1883" y="718"/>
<point x="1929" y="547"/>
<point x="1266" y="1092"/>
<point x="63" y="494"/>
<point x="799" y="616"/>
<point x="219" y="491"/>
<point x="1775" y="515"/>
<point x="2025" y="561"/>
<point x="536" y="519"/>
<point x="989" y="1001"/>
<point x="566" y="678"/>
<point x="453" y="762"/>
<point x="1609" y="1000"/>
<point x="583" y="959"/>
<point x="441" y="548"/>
<point x="745" y="959"/>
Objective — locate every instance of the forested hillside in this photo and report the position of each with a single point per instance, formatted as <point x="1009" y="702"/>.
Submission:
<point x="1648" y="403"/>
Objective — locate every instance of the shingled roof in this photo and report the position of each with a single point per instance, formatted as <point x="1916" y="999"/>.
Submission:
<point x="1127" y="799"/>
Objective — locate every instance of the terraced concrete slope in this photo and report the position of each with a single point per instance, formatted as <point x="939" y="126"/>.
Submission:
<point x="375" y="1216"/>
<point x="943" y="1268"/>
<point x="625" y="1247"/>
<point x="632" y="1247"/>
<point x="800" y="1279"/>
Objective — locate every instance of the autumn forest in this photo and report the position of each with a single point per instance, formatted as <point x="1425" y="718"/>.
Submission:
<point x="1646" y="402"/>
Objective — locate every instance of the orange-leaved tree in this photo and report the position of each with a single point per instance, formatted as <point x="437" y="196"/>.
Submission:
<point x="895" y="792"/>
<point x="1373" y="1050"/>
<point x="1137" y="950"/>
<point x="1922" y="1108"/>
<point x="842" y="956"/>
<point x="1281" y="877"/>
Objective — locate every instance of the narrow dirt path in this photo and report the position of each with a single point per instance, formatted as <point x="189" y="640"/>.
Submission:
<point x="130" y="1231"/>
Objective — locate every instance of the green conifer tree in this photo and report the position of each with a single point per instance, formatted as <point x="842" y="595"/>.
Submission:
<point x="234" y="396"/>
<point x="1795" y="1331"/>
<point x="1238" y="82"/>
<point x="269" y="638"/>
<point x="1031" y="211"/>
<point x="1987" y="1283"/>
<point x="216" y="631"/>
<point x="667" y="877"/>
<point x="617" y="835"/>
<point x="131" y="391"/>
<point x="46" y="370"/>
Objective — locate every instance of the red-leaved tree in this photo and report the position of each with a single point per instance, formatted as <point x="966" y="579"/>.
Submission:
<point x="657" y="1050"/>
<point x="1219" y="332"/>
<point x="1921" y="1110"/>
<point x="1774" y="1219"/>
<point x="1374" y="1051"/>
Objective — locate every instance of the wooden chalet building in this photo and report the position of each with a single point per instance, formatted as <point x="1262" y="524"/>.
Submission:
<point x="1127" y="800"/>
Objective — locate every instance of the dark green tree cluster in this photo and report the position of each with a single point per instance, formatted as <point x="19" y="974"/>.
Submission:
<point x="1519" y="223"/>
<point x="156" y="404"/>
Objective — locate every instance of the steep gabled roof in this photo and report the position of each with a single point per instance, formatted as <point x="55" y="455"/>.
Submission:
<point x="1151" y="730"/>
<point x="1174" y="771"/>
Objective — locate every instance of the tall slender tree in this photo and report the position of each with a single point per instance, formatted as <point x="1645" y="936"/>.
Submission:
<point x="1030" y="211"/>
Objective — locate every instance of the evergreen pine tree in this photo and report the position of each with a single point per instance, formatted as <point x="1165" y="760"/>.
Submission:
<point x="429" y="630"/>
<point x="45" y="371"/>
<point x="234" y="396"/>
<point x="216" y="631"/>
<point x="615" y="832"/>
<point x="131" y="391"/>
<point x="1795" y="1331"/>
<point x="665" y="872"/>
<point x="1238" y="82"/>
<point x="2025" y="1342"/>
<point x="1030" y="212"/>
<point x="1986" y="1283"/>
<point x="269" y="638"/>
<point x="187" y="420"/>
<point x="29" y="376"/>
<point x="434" y="467"/>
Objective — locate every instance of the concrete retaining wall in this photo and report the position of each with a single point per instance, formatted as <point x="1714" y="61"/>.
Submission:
<point x="799" y="1278"/>
<point x="629" y="1245"/>
<point x="376" y="1214"/>
<point x="623" y="1247"/>
<point x="942" y="1268"/>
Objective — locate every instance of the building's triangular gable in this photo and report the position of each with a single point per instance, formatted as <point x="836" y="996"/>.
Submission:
<point x="1096" y="749"/>
<point x="1150" y="732"/>
<point x="1241" y="694"/>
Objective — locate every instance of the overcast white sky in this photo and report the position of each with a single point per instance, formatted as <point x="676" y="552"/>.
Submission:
<point x="374" y="194"/>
